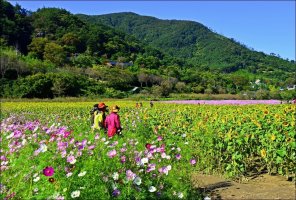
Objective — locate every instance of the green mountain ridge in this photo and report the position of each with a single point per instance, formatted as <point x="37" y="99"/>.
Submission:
<point x="191" y="41"/>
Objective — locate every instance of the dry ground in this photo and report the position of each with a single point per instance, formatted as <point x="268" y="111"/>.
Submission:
<point x="260" y="187"/>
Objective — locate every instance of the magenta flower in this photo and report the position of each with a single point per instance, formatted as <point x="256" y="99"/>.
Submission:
<point x="48" y="171"/>
<point x="67" y="133"/>
<point x="192" y="161"/>
<point x="148" y="146"/>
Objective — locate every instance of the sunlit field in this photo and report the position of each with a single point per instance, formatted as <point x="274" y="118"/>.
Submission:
<point x="49" y="151"/>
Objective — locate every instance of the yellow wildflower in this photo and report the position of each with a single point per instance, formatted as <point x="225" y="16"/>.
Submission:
<point x="263" y="153"/>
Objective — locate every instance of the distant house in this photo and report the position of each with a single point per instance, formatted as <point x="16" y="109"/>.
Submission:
<point x="291" y="87"/>
<point x="121" y="64"/>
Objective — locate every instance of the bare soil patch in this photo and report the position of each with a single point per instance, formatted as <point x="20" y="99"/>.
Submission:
<point x="263" y="186"/>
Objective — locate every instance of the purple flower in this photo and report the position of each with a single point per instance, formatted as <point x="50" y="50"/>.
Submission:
<point x="48" y="171"/>
<point x="178" y="156"/>
<point x="151" y="167"/>
<point x="116" y="193"/>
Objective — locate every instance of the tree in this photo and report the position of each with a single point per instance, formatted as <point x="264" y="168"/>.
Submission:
<point x="37" y="47"/>
<point x="55" y="53"/>
<point x="143" y="78"/>
<point x="180" y="86"/>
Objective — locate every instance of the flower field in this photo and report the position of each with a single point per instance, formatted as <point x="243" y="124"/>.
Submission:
<point x="49" y="151"/>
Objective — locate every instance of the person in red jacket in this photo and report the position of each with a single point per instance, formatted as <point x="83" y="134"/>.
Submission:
<point x="112" y="122"/>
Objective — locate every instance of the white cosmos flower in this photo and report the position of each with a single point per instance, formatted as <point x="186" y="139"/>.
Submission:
<point x="36" y="174"/>
<point x="184" y="135"/>
<point x="75" y="194"/>
<point x="36" y="179"/>
<point x="43" y="148"/>
<point x="107" y="142"/>
<point x="137" y="181"/>
<point x="180" y="195"/>
<point x="144" y="160"/>
<point x="82" y="173"/>
<point x="152" y="189"/>
<point x="169" y="167"/>
<point x="10" y="136"/>
<point x="115" y="176"/>
<point x="24" y="141"/>
<point x="69" y="174"/>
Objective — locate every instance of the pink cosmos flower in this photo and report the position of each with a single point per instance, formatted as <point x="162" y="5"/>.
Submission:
<point x="151" y="167"/>
<point x="178" y="156"/>
<point x="192" y="161"/>
<point x="91" y="147"/>
<point x="159" y="138"/>
<point x="122" y="159"/>
<point x="17" y="134"/>
<point x="48" y="171"/>
<point x="112" y="153"/>
<point x="71" y="159"/>
<point x="130" y="175"/>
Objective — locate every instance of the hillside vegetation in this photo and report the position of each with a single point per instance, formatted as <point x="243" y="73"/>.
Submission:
<point x="109" y="55"/>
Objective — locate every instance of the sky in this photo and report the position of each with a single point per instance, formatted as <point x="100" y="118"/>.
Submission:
<point x="267" y="26"/>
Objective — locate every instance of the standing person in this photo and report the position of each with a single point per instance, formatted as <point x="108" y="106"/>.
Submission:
<point x="112" y="122"/>
<point x="151" y="104"/>
<point x="100" y="116"/>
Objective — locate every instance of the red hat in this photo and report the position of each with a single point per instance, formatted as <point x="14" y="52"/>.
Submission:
<point x="102" y="105"/>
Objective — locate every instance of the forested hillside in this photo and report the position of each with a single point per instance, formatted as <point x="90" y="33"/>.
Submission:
<point x="192" y="41"/>
<point x="53" y="53"/>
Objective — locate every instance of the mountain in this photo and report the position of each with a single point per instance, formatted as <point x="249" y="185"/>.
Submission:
<point x="193" y="42"/>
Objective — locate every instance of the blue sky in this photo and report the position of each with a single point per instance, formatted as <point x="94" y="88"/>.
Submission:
<point x="267" y="26"/>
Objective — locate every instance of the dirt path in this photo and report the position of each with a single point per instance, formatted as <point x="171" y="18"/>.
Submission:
<point x="261" y="187"/>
